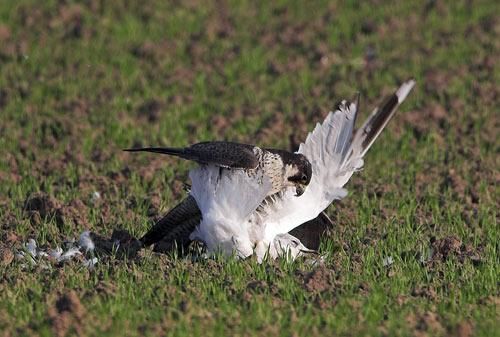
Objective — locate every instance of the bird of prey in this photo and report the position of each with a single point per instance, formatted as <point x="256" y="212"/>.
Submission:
<point x="238" y="213"/>
<point x="282" y="168"/>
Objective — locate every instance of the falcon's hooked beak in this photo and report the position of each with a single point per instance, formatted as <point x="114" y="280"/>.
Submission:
<point x="301" y="173"/>
<point x="299" y="190"/>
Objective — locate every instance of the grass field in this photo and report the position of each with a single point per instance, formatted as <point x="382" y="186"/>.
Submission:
<point x="79" y="81"/>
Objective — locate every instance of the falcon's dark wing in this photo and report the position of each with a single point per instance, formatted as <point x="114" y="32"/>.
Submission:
<point x="176" y="226"/>
<point x="223" y="154"/>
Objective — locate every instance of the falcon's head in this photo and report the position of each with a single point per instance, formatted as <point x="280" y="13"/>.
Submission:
<point x="299" y="172"/>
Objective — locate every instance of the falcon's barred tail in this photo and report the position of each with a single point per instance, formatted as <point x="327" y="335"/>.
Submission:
<point x="179" y="152"/>
<point x="371" y="129"/>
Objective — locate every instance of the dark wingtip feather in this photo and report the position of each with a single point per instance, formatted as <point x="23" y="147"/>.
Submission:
<point x="380" y="119"/>
<point x="381" y="116"/>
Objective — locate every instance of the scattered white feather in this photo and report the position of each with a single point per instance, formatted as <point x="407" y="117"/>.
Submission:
<point x="41" y="253"/>
<point x="31" y="247"/>
<point x="37" y="256"/>
<point x="95" y="197"/>
<point x="387" y="261"/>
<point x="86" y="242"/>
<point x="56" y="253"/>
<point x="90" y="263"/>
<point x="70" y="253"/>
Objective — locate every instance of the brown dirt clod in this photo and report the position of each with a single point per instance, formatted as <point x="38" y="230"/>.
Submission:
<point x="40" y="205"/>
<point x="319" y="280"/>
<point x="447" y="246"/>
<point x="151" y="110"/>
<point x="452" y="246"/>
<point x="67" y="314"/>
<point x="256" y="285"/>
<point x="6" y="256"/>
<point x="426" y="322"/>
<point x="43" y="204"/>
<point x="464" y="329"/>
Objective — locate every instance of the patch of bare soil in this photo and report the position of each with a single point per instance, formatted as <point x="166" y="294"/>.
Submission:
<point x="257" y="286"/>
<point x="464" y="329"/>
<point x="150" y="110"/>
<point x="425" y="179"/>
<point x="425" y="324"/>
<point x="457" y="182"/>
<point x="154" y="166"/>
<point x="12" y="48"/>
<point x="70" y="22"/>
<point x="43" y="204"/>
<point x="433" y="117"/>
<point x="104" y="288"/>
<point x="319" y="280"/>
<point x="452" y="246"/>
<point x="219" y="124"/>
<point x="40" y="206"/>
<point x="76" y="211"/>
<point x="66" y="315"/>
<point x="273" y="129"/>
<point x="153" y="53"/>
<point x="221" y="24"/>
<point x="6" y="255"/>
<point x="10" y="238"/>
<point x="299" y="131"/>
<point x="8" y="225"/>
<point x="425" y="292"/>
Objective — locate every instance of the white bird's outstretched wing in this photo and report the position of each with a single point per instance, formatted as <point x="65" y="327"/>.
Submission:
<point x="325" y="148"/>
<point x="335" y="154"/>
<point x="226" y="200"/>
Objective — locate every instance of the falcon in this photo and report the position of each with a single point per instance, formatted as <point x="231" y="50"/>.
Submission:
<point x="237" y="213"/>
<point x="282" y="168"/>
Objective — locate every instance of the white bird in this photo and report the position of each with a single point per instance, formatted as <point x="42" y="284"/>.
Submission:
<point x="237" y="217"/>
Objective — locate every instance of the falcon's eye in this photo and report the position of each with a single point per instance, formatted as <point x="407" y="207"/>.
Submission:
<point x="303" y="178"/>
